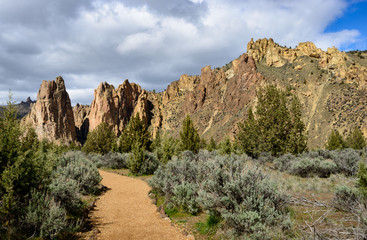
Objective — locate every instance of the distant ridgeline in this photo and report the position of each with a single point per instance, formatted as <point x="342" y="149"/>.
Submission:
<point x="22" y="107"/>
<point x="331" y="85"/>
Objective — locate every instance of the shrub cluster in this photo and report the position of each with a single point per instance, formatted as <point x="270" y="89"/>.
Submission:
<point x="40" y="193"/>
<point x="246" y="200"/>
<point x="320" y="163"/>
<point x="50" y="212"/>
<point x="112" y="160"/>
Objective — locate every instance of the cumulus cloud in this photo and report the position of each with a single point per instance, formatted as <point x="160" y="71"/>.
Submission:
<point x="148" y="42"/>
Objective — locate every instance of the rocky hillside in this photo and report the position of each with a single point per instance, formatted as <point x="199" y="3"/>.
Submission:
<point x="331" y="85"/>
<point x="23" y="108"/>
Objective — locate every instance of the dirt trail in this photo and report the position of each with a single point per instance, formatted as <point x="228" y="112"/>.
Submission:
<point x="126" y="212"/>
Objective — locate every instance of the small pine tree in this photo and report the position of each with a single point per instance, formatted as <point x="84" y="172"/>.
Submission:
<point x="225" y="147"/>
<point x="189" y="136"/>
<point x="247" y="137"/>
<point x="135" y="132"/>
<point x="212" y="145"/>
<point x="167" y="149"/>
<point x="356" y="139"/>
<point x="136" y="158"/>
<point x="335" y="141"/>
<point x="10" y="134"/>
<point x="100" y="140"/>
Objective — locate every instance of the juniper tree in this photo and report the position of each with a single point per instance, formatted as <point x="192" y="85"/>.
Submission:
<point x="335" y="141"/>
<point x="100" y="140"/>
<point x="212" y="145"/>
<point x="356" y="139"/>
<point x="189" y="136"/>
<point x="136" y="132"/>
<point x="276" y="127"/>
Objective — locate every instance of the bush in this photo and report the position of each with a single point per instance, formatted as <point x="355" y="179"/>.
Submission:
<point x="176" y="181"/>
<point x="166" y="149"/>
<point x="284" y="162"/>
<point x="67" y="192"/>
<point x="74" y="165"/>
<point x="114" y="160"/>
<point x="246" y="200"/>
<point x="304" y="167"/>
<point x="346" y="161"/>
<point x="335" y="141"/>
<point x="100" y="140"/>
<point x="44" y="216"/>
<point x="265" y="157"/>
<point x="346" y="198"/>
<point x="352" y="200"/>
<point x="308" y="167"/>
<point x="362" y="179"/>
<point x="225" y="147"/>
<point x="356" y="139"/>
<point x="142" y="162"/>
<point x="150" y="164"/>
<point x="212" y="145"/>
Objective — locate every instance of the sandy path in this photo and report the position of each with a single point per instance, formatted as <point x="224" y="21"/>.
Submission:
<point x="126" y="212"/>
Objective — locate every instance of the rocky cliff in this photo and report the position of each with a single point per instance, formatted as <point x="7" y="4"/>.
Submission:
<point x="116" y="106"/>
<point x="81" y="117"/>
<point x="330" y="84"/>
<point x="216" y="100"/>
<point x="52" y="115"/>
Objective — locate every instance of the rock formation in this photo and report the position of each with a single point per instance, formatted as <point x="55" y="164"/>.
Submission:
<point x="216" y="100"/>
<point x="331" y="86"/>
<point x="116" y="106"/>
<point x="52" y="115"/>
<point x="81" y="117"/>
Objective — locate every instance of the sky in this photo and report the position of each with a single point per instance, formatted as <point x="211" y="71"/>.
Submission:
<point x="154" y="42"/>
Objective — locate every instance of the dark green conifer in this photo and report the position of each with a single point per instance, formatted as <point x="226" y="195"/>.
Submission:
<point x="189" y="136"/>
<point x="335" y="141"/>
<point x="100" y="140"/>
<point x="136" y="132"/>
<point x="212" y="145"/>
<point x="356" y="139"/>
<point x="277" y="126"/>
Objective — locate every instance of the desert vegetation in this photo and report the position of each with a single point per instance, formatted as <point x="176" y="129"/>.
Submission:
<point x="264" y="184"/>
<point x="44" y="189"/>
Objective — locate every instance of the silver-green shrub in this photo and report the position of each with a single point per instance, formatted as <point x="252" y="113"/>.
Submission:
<point x="66" y="191"/>
<point x="309" y="167"/>
<point x="177" y="181"/>
<point x="347" y="161"/>
<point x="284" y="162"/>
<point x="95" y="158"/>
<point x="247" y="201"/>
<point x="352" y="200"/>
<point x="150" y="164"/>
<point x="44" y="216"/>
<point x="115" y="160"/>
<point x="75" y="165"/>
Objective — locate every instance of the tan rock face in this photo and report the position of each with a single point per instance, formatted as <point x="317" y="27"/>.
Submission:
<point x="357" y="74"/>
<point x="276" y="55"/>
<point x="52" y="115"/>
<point x="81" y="117"/>
<point x="331" y="86"/>
<point x="116" y="106"/>
<point x="216" y="100"/>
